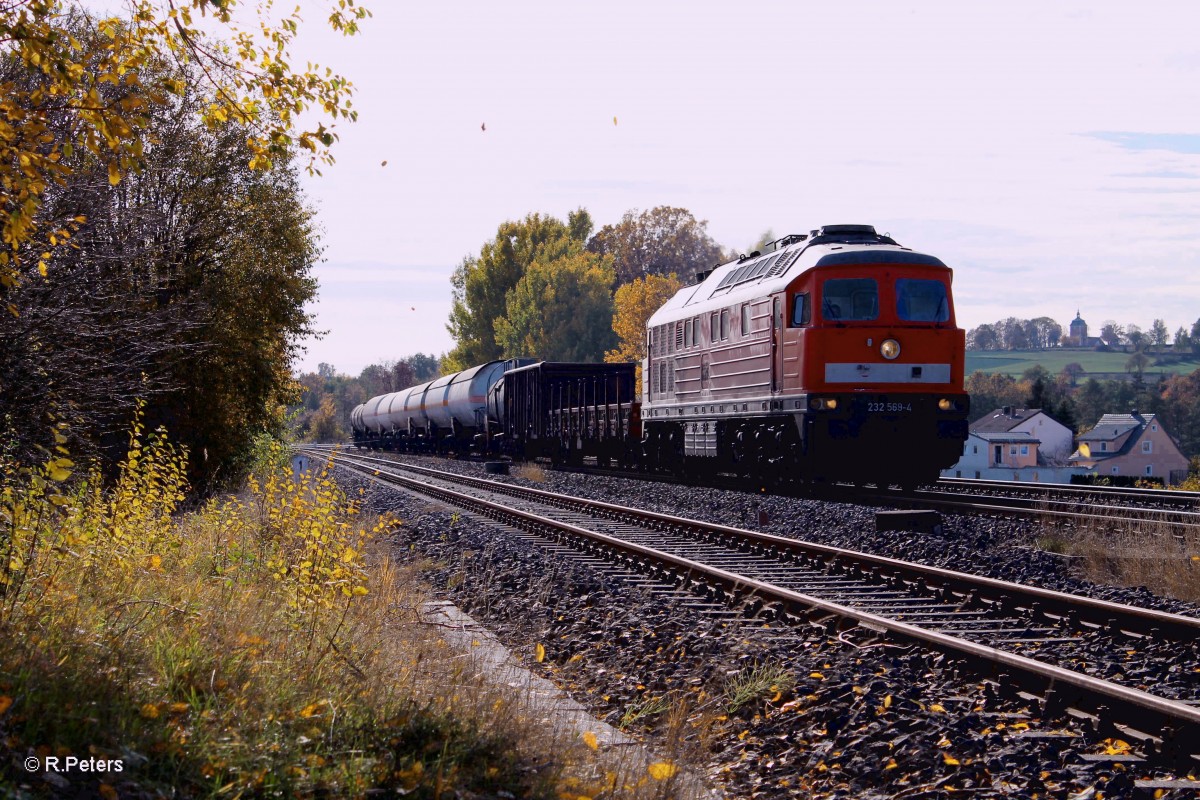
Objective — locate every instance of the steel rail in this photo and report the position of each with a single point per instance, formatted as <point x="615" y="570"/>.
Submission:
<point x="1100" y="613"/>
<point x="1172" y="722"/>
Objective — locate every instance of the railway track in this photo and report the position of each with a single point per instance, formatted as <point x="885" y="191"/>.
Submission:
<point x="1150" y="510"/>
<point x="1071" y="654"/>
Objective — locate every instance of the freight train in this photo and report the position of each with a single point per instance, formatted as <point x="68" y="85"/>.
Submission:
<point x="832" y="355"/>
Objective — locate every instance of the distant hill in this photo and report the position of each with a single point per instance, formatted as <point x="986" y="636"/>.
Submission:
<point x="1101" y="366"/>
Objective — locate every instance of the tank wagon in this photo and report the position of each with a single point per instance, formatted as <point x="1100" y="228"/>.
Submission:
<point x="442" y="415"/>
<point x="829" y="356"/>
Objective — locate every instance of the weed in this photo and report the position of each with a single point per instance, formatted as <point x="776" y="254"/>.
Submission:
<point x="759" y="682"/>
<point x="531" y="471"/>
<point x="642" y="710"/>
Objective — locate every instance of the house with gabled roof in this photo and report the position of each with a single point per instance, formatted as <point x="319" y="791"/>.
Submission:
<point x="1131" y="445"/>
<point x="1017" y="444"/>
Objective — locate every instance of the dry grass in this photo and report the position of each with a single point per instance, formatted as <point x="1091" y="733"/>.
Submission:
<point x="1149" y="554"/>
<point x="262" y="645"/>
<point x="530" y="471"/>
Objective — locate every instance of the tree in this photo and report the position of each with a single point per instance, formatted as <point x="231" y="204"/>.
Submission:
<point x="481" y="284"/>
<point x="1072" y="372"/>
<point x="186" y="285"/>
<point x="1136" y="366"/>
<point x="1195" y="337"/>
<point x="325" y="425"/>
<point x="661" y="241"/>
<point x="634" y="304"/>
<point x="983" y="338"/>
<point x="1183" y="342"/>
<point x="1111" y="333"/>
<point x="1135" y="337"/>
<point x="560" y="310"/>
<point x="105" y="94"/>
<point x="991" y="391"/>
<point x="1159" y="334"/>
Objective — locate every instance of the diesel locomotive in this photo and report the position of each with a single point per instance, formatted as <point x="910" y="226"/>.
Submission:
<point x="832" y="355"/>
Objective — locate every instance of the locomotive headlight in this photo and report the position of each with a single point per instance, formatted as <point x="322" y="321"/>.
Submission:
<point x="946" y="404"/>
<point x="889" y="349"/>
<point x="823" y="403"/>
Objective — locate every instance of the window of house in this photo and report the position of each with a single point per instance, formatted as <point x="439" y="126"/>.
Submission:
<point x="1153" y="427"/>
<point x="975" y="449"/>
<point x="922" y="300"/>
<point x="1012" y="451"/>
<point x="849" y="299"/>
<point x="1103" y="446"/>
<point x="1024" y="449"/>
<point x="745" y="319"/>
<point x="687" y="333"/>
<point x="724" y="324"/>
<point x="1149" y="469"/>
<point x="801" y="310"/>
<point x="976" y="474"/>
<point x="1147" y="447"/>
<point x="1114" y="470"/>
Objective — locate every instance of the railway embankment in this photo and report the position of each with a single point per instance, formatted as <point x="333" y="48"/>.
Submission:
<point x="259" y="645"/>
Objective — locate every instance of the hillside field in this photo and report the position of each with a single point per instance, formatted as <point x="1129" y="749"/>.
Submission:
<point x="1097" y="365"/>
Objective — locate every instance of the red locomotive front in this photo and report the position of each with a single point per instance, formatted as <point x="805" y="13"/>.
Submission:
<point x="832" y="356"/>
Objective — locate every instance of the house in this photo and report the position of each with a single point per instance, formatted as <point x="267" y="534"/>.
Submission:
<point x="1131" y="445"/>
<point x="1017" y="444"/>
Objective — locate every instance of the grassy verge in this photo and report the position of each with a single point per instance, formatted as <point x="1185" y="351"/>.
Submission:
<point x="261" y="645"/>
<point x="1148" y="554"/>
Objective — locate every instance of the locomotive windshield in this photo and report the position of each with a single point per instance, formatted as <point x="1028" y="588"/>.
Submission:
<point x="922" y="300"/>
<point x="850" y="299"/>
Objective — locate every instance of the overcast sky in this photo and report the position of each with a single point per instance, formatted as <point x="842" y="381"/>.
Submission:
<point x="1048" y="152"/>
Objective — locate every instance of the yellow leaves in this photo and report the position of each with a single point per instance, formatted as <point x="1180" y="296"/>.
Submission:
<point x="817" y="676"/>
<point x="313" y="709"/>
<point x="154" y="563"/>
<point x="114" y="173"/>
<point x="891" y="764"/>
<point x="59" y="469"/>
<point x="937" y="708"/>
<point x="949" y="760"/>
<point x="149" y="711"/>
<point x="662" y="770"/>
<point x="539" y="653"/>
<point x="589" y="739"/>
<point x="1116" y="747"/>
<point x="5" y="703"/>
<point x="887" y="701"/>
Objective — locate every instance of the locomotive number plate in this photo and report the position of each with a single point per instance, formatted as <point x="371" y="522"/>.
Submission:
<point x="888" y="408"/>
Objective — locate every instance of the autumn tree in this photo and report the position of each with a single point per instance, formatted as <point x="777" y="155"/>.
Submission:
<point x="989" y="391"/>
<point x="186" y="285"/>
<point x="560" y="310"/>
<point x="634" y="304"/>
<point x="99" y="99"/>
<point x="480" y="284"/>
<point x="661" y="241"/>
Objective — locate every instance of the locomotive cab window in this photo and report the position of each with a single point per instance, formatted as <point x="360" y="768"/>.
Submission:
<point x="922" y="300"/>
<point x="849" y="300"/>
<point x="801" y="310"/>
